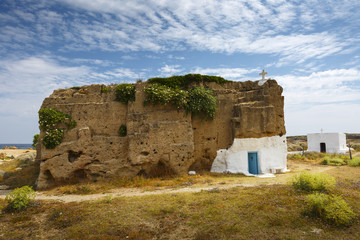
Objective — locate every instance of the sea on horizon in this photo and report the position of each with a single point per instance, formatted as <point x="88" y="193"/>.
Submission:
<point x="17" y="145"/>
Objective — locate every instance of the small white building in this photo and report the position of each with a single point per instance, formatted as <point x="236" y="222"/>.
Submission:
<point x="327" y="142"/>
<point x="253" y="156"/>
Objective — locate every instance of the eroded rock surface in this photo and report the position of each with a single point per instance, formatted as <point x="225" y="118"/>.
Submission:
<point x="160" y="139"/>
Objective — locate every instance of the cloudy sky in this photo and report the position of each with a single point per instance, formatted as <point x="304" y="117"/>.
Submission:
<point x="312" y="48"/>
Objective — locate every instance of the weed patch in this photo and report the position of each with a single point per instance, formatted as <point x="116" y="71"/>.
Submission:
<point x="354" y="162"/>
<point x="20" y="198"/>
<point x="333" y="161"/>
<point x="332" y="209"/>
<point x="313" y="182"/>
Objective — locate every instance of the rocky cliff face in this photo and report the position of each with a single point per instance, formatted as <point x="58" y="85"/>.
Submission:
<point x="160" y="139"/>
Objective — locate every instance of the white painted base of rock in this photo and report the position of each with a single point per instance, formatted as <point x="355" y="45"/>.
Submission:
<point x="272" y="152"/>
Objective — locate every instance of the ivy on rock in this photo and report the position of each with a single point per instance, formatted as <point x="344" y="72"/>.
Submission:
<point x="54" y="123"/>
<point x="180" y="92"/>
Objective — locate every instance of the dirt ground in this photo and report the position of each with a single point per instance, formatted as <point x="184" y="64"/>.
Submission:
<point x="295" y="166"/>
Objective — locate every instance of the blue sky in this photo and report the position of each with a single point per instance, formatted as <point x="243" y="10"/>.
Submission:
<point x="312" y="48"/>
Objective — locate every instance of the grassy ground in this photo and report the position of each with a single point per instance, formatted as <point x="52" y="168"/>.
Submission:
<point x="258" y="212"/>
<point x="269" y="209"/>
<point x="262" y="212"/>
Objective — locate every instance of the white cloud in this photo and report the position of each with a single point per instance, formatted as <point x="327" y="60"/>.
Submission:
<point x="321" y="87"/>
<point x="170" y="70"/>
<point x="37" y="75"/>
<point x="277" y="28"/>
<point x="328" y="99"/>
<point x="239" y="74"/>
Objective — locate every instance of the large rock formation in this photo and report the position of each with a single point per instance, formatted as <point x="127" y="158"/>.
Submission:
<point x="160" y="139"/>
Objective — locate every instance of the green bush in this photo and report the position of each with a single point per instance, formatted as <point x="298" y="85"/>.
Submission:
<point x="53" y="138"/>
<point x="105" y="89"/>
<point x="53" y="122"/>
<point x="122" y="130"/>
<point x="20" y="198"/>
<point x="125" y="92"/>
<point x="354" y="162"/>
<point x="49" y="118"/>
<point x="313" y="182"/>
<point x="333" y="161"/>
<point x="201" y="101"/>
<point x="162" y="94"/>
<point x="35" y="140"/>
<point x="197" y="101"/>
<point x="332" y="209"/>
<point x="185" y="81"/>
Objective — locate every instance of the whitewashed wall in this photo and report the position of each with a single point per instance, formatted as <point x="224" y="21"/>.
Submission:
<point x="335" y="142"/>
<point x="272" y="153"/>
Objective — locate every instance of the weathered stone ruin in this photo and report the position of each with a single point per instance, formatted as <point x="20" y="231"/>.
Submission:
<point x="159" y="139"/>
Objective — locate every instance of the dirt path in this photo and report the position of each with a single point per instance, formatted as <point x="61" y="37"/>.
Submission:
<point x="295" y="167"/>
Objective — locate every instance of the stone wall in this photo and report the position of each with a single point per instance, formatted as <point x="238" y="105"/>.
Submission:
<point x="160" y="139"/>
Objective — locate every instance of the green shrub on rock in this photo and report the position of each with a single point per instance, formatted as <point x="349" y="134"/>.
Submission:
<point x="122" y="131"/>
<point x="185" y="81"/>
<point x="332" y="209"/>
<point x="54" y="122"/>
<point x="162" y="94"/>
<point x="313" y="182"/>
<point x="20" y="198"/>
<point x="125" y="92"/>
<point x="53" y="138"/>
<point x="201" y="101"/>
<point x="35" y="140"/>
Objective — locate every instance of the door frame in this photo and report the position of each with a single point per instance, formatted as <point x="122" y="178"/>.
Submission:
<point x="257" y="161"/>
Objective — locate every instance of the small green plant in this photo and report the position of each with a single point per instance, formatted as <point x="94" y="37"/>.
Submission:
<point x="70" y="124"/>
<point x="108" y="198"/>
<point x="35" y="140"/>
<point x="122" y="130"/>
<point x="75" y="88"/>
<point x="20" y="198"/>
<point x="333" y="161"/>
<point x="313" y="182"/>
<point x="354" y="162"/>
<point x="332" y="209"/>
<point x="125" y="92"/>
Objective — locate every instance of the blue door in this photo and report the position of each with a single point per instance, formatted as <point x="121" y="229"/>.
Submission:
<point x="253" y="162"/>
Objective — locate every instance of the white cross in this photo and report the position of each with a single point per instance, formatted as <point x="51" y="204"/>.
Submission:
<point x="263" y="73"/>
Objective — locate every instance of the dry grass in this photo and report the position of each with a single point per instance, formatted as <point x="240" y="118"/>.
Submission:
<point x="258" y="212"/>
<point x="147" y="184"/>
<point x="262" y="212"/>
